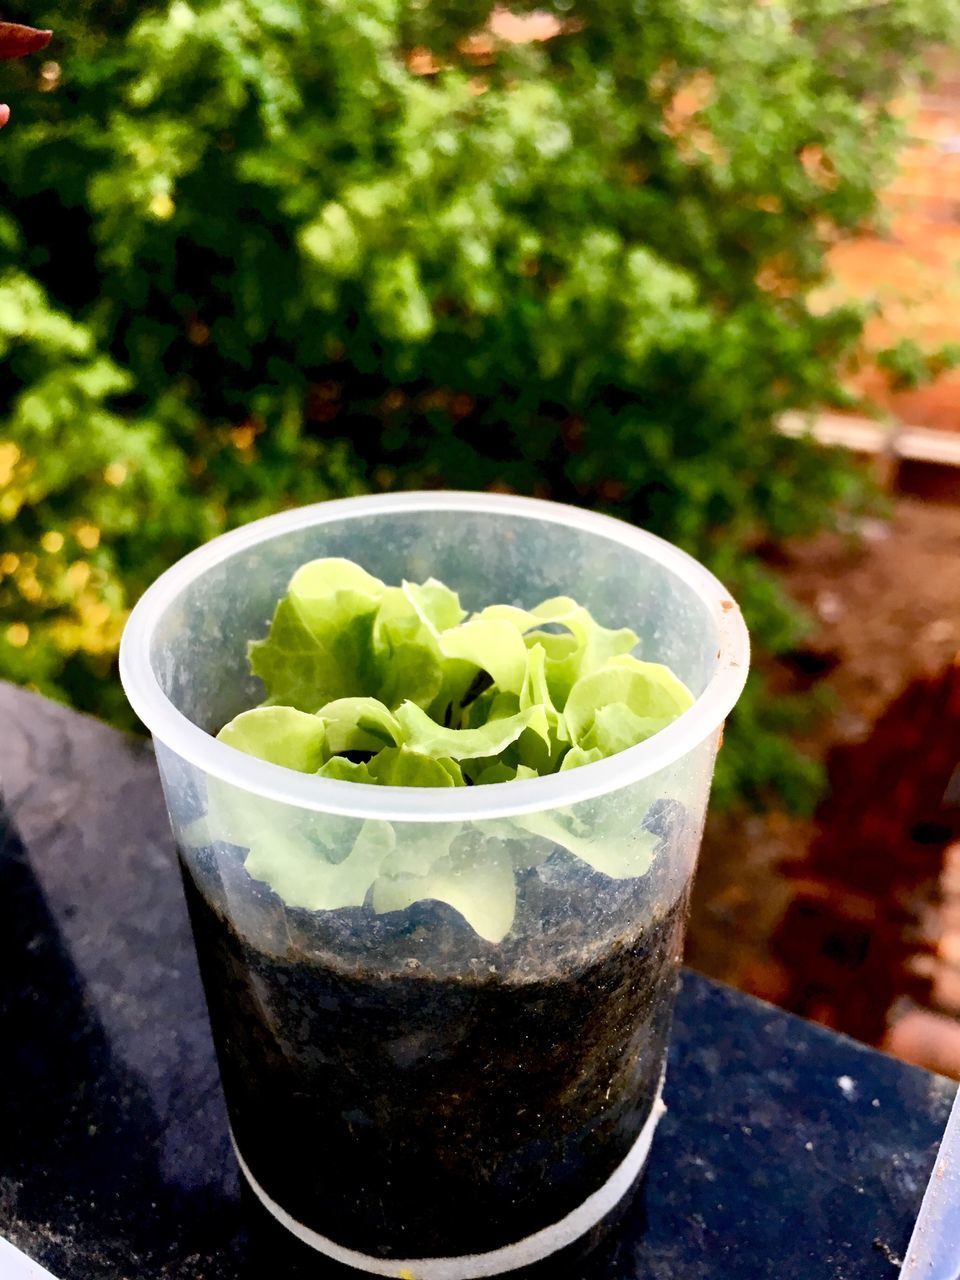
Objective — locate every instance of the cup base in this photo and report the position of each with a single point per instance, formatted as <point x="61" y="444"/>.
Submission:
<point x="474" y="1266"/>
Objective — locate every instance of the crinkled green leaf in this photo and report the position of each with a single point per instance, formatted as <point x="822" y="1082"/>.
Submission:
<point x="397" y="619"/>
<point x="488" y="643"/>
<point x="583" y="647"/>
<point x="535" y="691"/>
<point x="491" y="705"/>
<point x="562" y="662"/>
<point x="453" y="768"/>
<point x="648" y="689"/>
<point x="396" y="767"/>
<point x="477" y="880"/>
<point x="425" y="736"/>
<point x="543" y="743"/>
<point x="295" y="666"/>
<point x="406" y="655"/>
<point x="359" y="724"/>
<point x="620" y="856"/>
<point x="343" y="770"/>
<point x="420" y="845"/>
<point x="280" y="735"/>
<point x="435" y="604"/>
<point x="436" y="612"/>
<point x="451" y="705"/>
<point x="598" y="643"/>
<point x="304" y="877"/>
<point x="403" y="767"/>
<point x="412" y="673"/>
<point x="495" y="647"/>
<point x="578" y="756"/>
<point x="592" y="645"/>
<point x="616" y="727"/>
<point x="346" y="586"/>
<point x="320" y="644"/>
<point x="496" y="772"/>
<point x="521" y="620"/>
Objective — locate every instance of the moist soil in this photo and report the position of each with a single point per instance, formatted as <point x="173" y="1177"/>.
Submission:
<point x="408" y="1090"/>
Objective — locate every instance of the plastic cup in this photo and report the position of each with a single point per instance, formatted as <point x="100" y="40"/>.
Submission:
<point x="406" y="1096"/>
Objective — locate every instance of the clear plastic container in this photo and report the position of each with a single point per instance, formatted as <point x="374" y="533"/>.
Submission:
<point x="405" y="1095"/>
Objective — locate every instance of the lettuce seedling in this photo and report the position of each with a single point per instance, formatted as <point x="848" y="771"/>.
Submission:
<point x="399" y="686"/>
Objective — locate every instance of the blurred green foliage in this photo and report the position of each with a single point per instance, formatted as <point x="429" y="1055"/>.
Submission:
<point x="907" y="366"/>
<point x="255" y="253"/>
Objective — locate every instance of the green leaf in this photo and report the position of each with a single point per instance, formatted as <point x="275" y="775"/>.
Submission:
<point x="476" y="879"/>
<point x="578" y="756"/>
<point x="403" y="767"/>
<point x="495" y="647"/>
<point x="334" y="583"/>
<point x="541" y="750"/>
<point x="419" y="847"/>
<point x="343" y="770"/>
<point x="320" y="641"/>
<point x="303" y="876"/>
<point x="429" y="738"/>
<point x="452" y="767"/>
<point x="496" y="772"/>
<point x="521" y="620"/>
<point x="465" y="647"/>
<point x="489" y="706"/>
<point x="649" y="690"/>
<point x="616" y="727"/>
<point x="296" y="668"/>
<point x="359" y="724"/>
<point x="407" y="658"/>
<point x="411" y="671"/>
<point x="621" y="856"/>
<point x="563" y="660"/>
<point x="437" y="607"/>
<point x="595" y="643"/>
<point x="280" y="735"/>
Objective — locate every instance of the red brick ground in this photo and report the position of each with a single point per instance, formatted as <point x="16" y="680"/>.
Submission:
<point x="913" y="270"/>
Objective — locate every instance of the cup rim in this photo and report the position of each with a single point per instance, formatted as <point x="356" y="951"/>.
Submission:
<point x="180" y="735"/>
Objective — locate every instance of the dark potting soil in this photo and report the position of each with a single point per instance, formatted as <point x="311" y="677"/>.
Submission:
<point x="409" y="1090"/>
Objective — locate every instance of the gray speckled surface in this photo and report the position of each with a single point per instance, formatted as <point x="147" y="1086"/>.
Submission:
<point x="786" y="1151"/>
